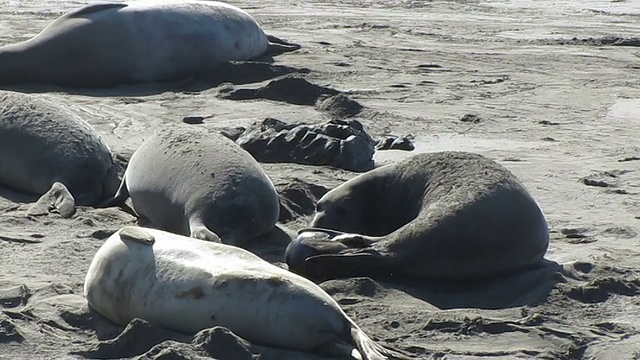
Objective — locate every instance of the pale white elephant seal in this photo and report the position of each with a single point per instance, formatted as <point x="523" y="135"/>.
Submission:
<point x="199" y="184"/>
<point x="187" y="285"/>
<point x="436" y="216"/>
<point x="47" y="150"/>
<point x="106" y="44"/>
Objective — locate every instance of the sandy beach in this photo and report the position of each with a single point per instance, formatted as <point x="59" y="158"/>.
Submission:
<point x="554" y="90"/>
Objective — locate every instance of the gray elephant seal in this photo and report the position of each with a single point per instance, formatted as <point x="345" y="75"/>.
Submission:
<point x="187" y="285"/>
<point x="199" y="184"/>
<point x="438" y="216"/>
<point x="47" y="150"/>
<point x="106" y="44"/>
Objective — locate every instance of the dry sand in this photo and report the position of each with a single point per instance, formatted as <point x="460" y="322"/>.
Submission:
<point x="557" y="101"/>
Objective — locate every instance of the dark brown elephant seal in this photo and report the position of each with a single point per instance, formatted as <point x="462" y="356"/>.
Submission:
<point x="436" y="216"/>
<point x="111" y="43"/>
<point x="47" y="150"/>
<point x="199" y="184"/>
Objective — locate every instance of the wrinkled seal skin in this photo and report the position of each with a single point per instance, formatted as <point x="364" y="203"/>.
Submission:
<point x="106" y="44"/>
<point x="47" y="150"/>
<point x="187" y="285"/>
<point x="436" y="216"/>
<point x="199" y="184"/>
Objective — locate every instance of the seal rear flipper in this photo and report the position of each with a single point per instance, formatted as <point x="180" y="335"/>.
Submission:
<point x="332" y="266"/>
<point x="120" y="196"/>
<point x="57" y="199"/>
<point x="201" y="231"/>
<point x="278" y="46"/>
<point x="119" y="200"/>
<point x="370" y="350"/>
<point x="340" y="349"/>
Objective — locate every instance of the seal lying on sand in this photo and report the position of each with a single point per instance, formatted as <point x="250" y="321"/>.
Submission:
<point x="199" y="184"/>
<point x="187" y="285"/>
<point x="106" y="44"/>
<point x="45" y="149"/>
<point x="438" y="216"/>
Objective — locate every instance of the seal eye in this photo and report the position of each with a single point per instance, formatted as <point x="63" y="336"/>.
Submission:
<point x="319" y="207"/>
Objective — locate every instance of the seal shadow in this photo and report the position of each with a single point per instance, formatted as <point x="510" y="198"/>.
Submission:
<point x="528" y="287"/>
<point x="234" y="72"/>
<point x="271" y="246"/>
<point x="17" y="196"/>
<point x="136" y="338"/>
<point x="142" y="340"/>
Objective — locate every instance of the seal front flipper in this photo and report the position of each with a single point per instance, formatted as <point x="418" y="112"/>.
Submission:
<point x="278" y="46"/>
<point x="57" y="199"/>
<point x="201" y="231"/>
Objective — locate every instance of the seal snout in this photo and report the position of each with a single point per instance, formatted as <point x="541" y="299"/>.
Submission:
<point x="311" y="242"/>
<point x="299" y="250"/>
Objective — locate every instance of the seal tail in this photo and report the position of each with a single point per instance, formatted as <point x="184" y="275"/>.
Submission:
<point x="278" y="46"/>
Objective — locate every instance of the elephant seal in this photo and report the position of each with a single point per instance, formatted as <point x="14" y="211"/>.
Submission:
<point x="112" y="43"/>
<point x="199" y="184"/>
<point x="187" y="285"/>
<point x="437" y="216"/>
<point x="47" y="150"/>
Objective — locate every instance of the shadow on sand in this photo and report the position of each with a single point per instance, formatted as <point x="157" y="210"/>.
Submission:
<point x="234" y="72"/>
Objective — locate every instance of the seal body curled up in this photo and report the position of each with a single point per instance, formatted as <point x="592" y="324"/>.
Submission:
<point x="199" y="184"/>
<point x="187" y="285"/>
<point x="111" y="43"/>
<point x="435" y="216"/>
<point x="47" y="150"/>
